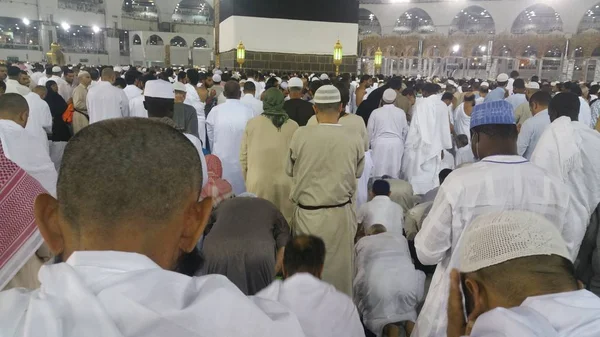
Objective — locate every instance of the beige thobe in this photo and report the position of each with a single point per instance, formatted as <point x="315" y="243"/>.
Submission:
<point x="522" y="113"/>
<point x="325" y="162"/>
<point x="80" y="120"/>
<point x="355" y="123"/>
<point x="262" y="156"/>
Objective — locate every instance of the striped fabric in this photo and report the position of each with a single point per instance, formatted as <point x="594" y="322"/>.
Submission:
<point x="19" y="237"/>
<point x="327" y="94"/>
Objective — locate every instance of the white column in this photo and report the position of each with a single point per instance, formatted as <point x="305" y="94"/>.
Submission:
<point x="570" y="69"/>
<point x="597" y="71"/>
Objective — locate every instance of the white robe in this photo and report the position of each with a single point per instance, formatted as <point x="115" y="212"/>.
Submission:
<point x="104" y="101"/>
<point x="383" y="211"/>
<point x="131" y="91"/>
<point x="585" y="113"/>
<point x="494" y="184"/>
<point x="192" y="98"/>
<point x="136" y="107"/>
<point x="462" y="122"/>
<point x="387" y="288"/>
<point x="569" y="150"/>
<point x="117" y="294"/>
<point x="362" y="187"/>
<point x="14" y="87"/>
<point x="226" y="124"/>
<point x="29" y="152"/>
<point x="35" y="78"/>
<point x="321" y="309"/>
<point x="387" y="130"/>
<point x="251" y="102"/>
<point x="464" y="155"/>
<point x="39" y="122"/>
<point x="574" y="313"/>
<point x="428" y="135"/>
<point x="64" y="89"/>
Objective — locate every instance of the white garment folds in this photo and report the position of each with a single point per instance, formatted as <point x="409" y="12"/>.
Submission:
<point x="39" y="122"/>
<point x="321" y="309"/>
<point x="494" y="184"/>
<point x="192" y="98"/>
<point x="137" y="108"/>
<point x="225" y="125"/>
<point x="116" y="294"/>
<point x="104" y="101"/>
<point x="568" y="314"/>
<point x="387" y="129"/>
<point x="362" y="186"/>
<point x="387" y="288"/>
<point x="428" y="135"/>
<point x="30" y="153"/>
<point x="383" y="211"/>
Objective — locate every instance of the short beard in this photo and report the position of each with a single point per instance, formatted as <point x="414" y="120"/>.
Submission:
<point x="190" y="263"/>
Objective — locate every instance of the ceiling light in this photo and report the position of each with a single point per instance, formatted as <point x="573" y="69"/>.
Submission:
<point x="65" y="26"/>
<point x="26" y="21"/>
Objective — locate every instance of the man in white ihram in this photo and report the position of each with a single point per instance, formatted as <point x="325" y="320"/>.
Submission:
<point x="105" y="101"/>
<point x="387" y="129"/>
<point x="517" y="279"/>
<point x="127" y="259"/>
<point x="501" y="180"/>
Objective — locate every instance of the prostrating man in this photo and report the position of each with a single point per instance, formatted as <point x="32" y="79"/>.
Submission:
<point x="184" y="115"/>
<point x="320" y="308"/>
<point x="534" y="127"/>
<point x="517" y="279"/>
<point x="518" y="97"/>
<point x="39" y="123"/>
<point x="245" y="240"/>
<point x="266" y="140"/>
<point x="325" y="161"/>
<point x="225" y="127"/>
<point x="12" y="83"/>
<point x="428" y="135"/>
<point x="123" y="238"/>
<point x="80" y="115"/>
<point x="20" y="238"/>
<point x="298" y="109"/>
<point x="28" y="151"/>
<point x="387" y="287"/>
<point x="250" y="101"/>
<point x="499" y="93"/>
<point x="387" y="129"/>
<point x="381" y="210"/>
<point x="133" y="78"/>
<point x="104" y="101"/>
<point x="501" y="180"/>
<point x="568" y="149"/>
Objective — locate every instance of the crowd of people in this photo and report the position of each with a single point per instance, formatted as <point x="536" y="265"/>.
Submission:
<point x="159" y="201"/>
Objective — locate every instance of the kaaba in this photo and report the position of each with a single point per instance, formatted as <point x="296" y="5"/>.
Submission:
<point x="282" y="35"/>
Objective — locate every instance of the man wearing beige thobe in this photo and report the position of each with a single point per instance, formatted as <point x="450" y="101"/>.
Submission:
<point x="325" y="162"/>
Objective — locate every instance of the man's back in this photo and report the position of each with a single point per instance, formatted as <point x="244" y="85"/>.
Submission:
<point x="383" y="211"/>
<point x="299" y="110"/>
<point x="388" y="122"/>
<point x="253" y="103"/>
<point x="319" y="154"/>
<point x="127" y="294"/>
<point x="320" y="308"/>
<point x="105" y="102"/>
<point x="40" y="118"/>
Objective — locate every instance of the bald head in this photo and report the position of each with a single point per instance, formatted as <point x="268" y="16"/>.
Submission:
<point x="232" y="90"/>
<point x="14" y="107"/>
<point x="108" y="75"/>
<point x="376" y="229"/>
<point x="41" y="91"/>
<point x="304" y="254"/>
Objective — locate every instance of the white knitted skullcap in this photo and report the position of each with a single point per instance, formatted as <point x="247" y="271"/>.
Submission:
<point x="327" y="94"/>
<point x="389" y="95"/>
<point x="495" y="238"/>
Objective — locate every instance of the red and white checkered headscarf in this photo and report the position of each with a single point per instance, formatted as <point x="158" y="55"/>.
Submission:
<point x="19" y="236"/>
<point x="217" y="188"/>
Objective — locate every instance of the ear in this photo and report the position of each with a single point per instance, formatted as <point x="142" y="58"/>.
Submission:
<point x="46" y="218"/>
<point x="195" y="220"/>
<point x="477" y="295"/>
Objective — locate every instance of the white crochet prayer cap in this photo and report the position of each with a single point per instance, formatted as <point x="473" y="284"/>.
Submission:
<point x="159" y="89"/>
<point x="389" y="95"/>
<point x="495" y="238"/>
<point x="327" y="94"/>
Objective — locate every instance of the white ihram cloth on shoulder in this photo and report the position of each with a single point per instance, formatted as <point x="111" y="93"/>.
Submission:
<point x="569" y="150"/>
<point x="104" y="101"/>
<point x="117" y="294"/>
<point x="321" y="309"/>
<point x="573" y="313"/>
<point x="192" y="98"/>
<point x="387" y="288"/>
<point x="428" y="135"/>
<point x="493" y="184"/>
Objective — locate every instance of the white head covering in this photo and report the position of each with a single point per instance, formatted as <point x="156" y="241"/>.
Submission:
<point x="502" y="78"/>
<point x="118" y="69"/>
<point x="216" y="78"/>
<point x="498" y="237"/>
<point x="295" y="82"/>
<point x="485" y="84"/>
<point x="389" y="95"/>
<point x="532" y="85"/>
<point x="178" y="86"/>
<point x="327" y="94"/>
<point x="159" y="89"/>
<point x="284" y="85"/>
<point x="56" y="69"/>
<point x="324" y="77"/>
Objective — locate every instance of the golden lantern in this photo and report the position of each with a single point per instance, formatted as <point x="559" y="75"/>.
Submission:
<point x="241" y="54"/>
<point x="378" y="59"/>
<point x="337" y="56"/>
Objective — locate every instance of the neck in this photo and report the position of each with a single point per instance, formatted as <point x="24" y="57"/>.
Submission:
<point x="16" y="78"/>
<point x="249" y="93"/>
<point x="295" y="95"/>
<point x="538" y="111"/>
<point x="328" y="118"/>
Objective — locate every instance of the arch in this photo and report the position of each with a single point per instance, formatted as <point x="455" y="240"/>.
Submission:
<point x="155" y="40"/>
<point x="368" y="23"/>
<point x="193" y="11"/>
<point x="539" y="18"/>
<point x="504" y="51"/>
<point x="200" y="43"/>
<point x="138" y="8"/>
<point x="473" y="20"/>
<point x="414" y="20"/>
<point x="137" y="41"/>
<point x="590" y="20"/>
<point x="530" y="51"/>
<point x="553" y="51"/>
<point x="178" y="41"/>
<point x="479" y="51"/>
